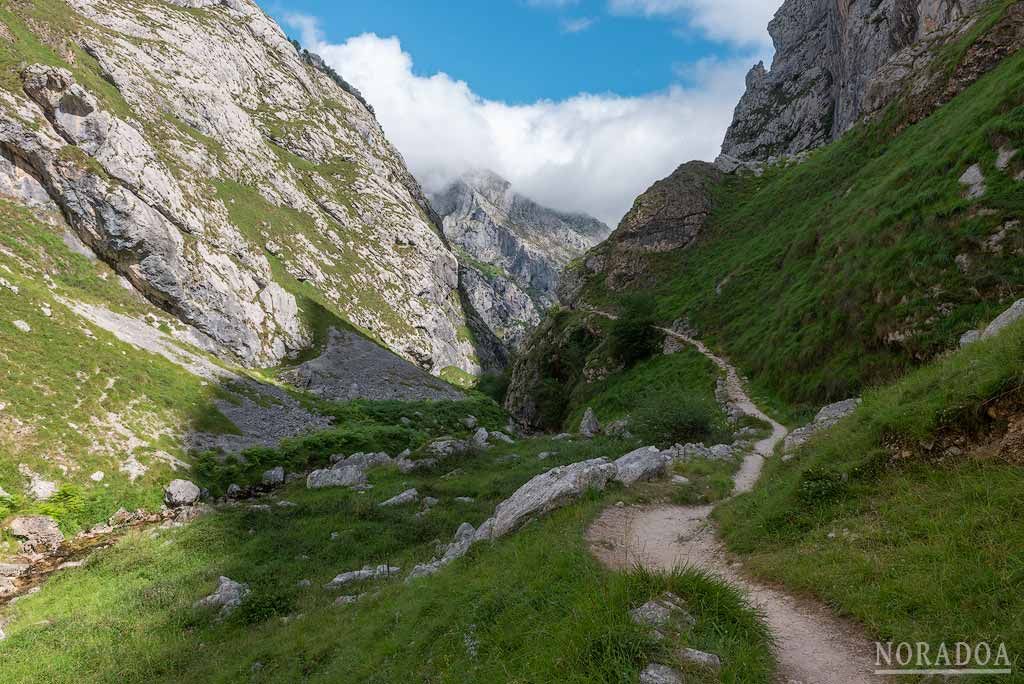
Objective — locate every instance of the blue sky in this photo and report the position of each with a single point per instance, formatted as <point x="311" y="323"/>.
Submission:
<point x="581" y="104"/>
<point x="518" y="53"/>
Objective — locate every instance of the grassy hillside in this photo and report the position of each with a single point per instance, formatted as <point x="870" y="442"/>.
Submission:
<point x="842" y="272"/>
<point x="908" y="515"/>
<point x="532" y="608"/>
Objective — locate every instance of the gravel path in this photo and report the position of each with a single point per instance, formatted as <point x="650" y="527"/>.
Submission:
<point x="813" y="646"/>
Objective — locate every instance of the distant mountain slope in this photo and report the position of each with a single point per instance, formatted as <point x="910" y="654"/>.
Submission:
<point x="511" y="249"/>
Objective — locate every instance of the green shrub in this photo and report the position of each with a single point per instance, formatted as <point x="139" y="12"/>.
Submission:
<point x="494" y="385"/>
<point x="634" y="337"/>
<point x="820" y="486"/>
<point x="665" y="419"/>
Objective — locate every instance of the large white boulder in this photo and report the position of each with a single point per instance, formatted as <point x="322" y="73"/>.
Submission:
<point x="346" y="476"/>
<point x="644" y="464"/>
<point x="549" y="491"/>
<point x="181" y="493"/>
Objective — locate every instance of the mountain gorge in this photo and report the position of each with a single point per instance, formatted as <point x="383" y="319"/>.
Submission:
<point x="253" y="428"/>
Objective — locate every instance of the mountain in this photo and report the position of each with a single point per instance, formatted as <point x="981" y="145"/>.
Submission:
<point x="838" y="61"/>
<point x="511" y="250"/>
<point x="877" y="227"/>
<point x="228" y="176"/>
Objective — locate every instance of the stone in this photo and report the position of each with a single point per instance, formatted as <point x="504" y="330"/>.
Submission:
<point x="180" y="493"/>
<point x="620" y="428"/>
<point x="14" y="569"/>
<point x="480" y="438"/>
<point x="545" y="455"/>
<point x="23" y="326"/>
<point x="470" y="422"/>
<point x="709" y="661"/>
<point x="464" y="499"/>
<point x="228" y="596"/>
<point x="274" y="477"/>
<point x="974" y="180"/>
<point x="97" y="476"/>
<point x="647" y="463"/>
<point x="502" y="437"/>
<point x="1004" y="320"/>
<point x="39" y="488"/>
<point x="562" y="437"/>
<point x="447" y="446"/>
<point x="346" y="476"/>
<point x="680" y="480"/>
<point x="4" y="494"/>
<point x="407" y="467"/>
<point x="827" y="417"/>
<point x="407" y="497"/>
<point x="549" y="491"/>
<point x="464" y="538"/>
<point x="660" y="674"/>
<point x="589" y="427"/>
<point x="347" y="600"/>
<point x="234" y="491"/>
<point x="367" y="573"/>
<point x="1005" y="154"/>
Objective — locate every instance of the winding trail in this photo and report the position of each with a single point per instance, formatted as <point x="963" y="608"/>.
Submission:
<point x="813" y="646"/>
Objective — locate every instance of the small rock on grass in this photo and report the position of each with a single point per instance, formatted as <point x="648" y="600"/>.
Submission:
<point x="660" y="674"/>
<point x="700" y="658"/>
<point x="407" y="497"/>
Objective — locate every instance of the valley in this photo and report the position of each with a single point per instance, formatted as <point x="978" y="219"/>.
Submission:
<point x="271" y="411"/>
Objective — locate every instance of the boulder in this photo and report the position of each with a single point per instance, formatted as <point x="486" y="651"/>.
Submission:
<point x="589" y="427"/>
<point x="39" y="533"/>
<point x="826" y="418"/>
<point x="274" y="477"/>
<point x="700" y="659"/>
<point x="549" y="491"/>
<point x="480" y="438"/>
<point x="618" y="428"/>
<point x="409" y="496"/>
<point x="470" y="422"/>
<point x="345" y="476"/>
<point x="974" y="180"/>
<point x="464" y="538"/>
<point x="1004" y="320"/>
<point x="689" y="452"/>
<point x="969" y="338"/>
<point x="447" y="446"/>
<point x="406" y="466"/>
<point x="660" y="674"/>
<point x="181" y="493"/>
<point x="367" y="573"/>
<point x="365" y="461"/>
<point x="502" y="437"/>
<point x="228" y="596"/>
<point x="234" y="491"/>
<point x="643" y="464"/>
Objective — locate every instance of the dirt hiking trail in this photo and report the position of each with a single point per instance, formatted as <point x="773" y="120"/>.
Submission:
<point x="812" y="645"/>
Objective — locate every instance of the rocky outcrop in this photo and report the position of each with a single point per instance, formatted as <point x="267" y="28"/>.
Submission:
<point x="511" y="249"/>
<point x="827" y="417"/>
<point x="827" y="54"/>
<point x="215" y="166"/>
<point x="672" y="214"/>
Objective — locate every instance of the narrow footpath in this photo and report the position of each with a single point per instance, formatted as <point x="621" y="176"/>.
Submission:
<point x="812" y="645"/>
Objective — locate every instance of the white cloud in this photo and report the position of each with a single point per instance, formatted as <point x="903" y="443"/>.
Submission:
<point x="577" y="25"/>
<point x="592" y="153"/>
<point x="740" y="22"/>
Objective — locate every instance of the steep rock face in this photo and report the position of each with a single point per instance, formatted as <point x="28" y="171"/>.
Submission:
<point x="512" y="250"/>
<point x="670" y="215"/>
<point x="221" y="172"/>
<point x="826" y="53"/>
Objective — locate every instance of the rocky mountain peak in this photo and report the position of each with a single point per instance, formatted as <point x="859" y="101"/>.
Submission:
<point x="511" y="249"/>
<point x="826" y="54"/>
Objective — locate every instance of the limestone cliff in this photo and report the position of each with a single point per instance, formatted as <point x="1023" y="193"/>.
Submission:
<point x="826" y="54"/>
<point x="226" y="175"/>
<point x="511" y="249"/>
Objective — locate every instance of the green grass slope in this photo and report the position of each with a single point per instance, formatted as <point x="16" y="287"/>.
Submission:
<point x="534" y="607"/>
<point x="844" y="271"/>
<point x="908" y="515"/>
